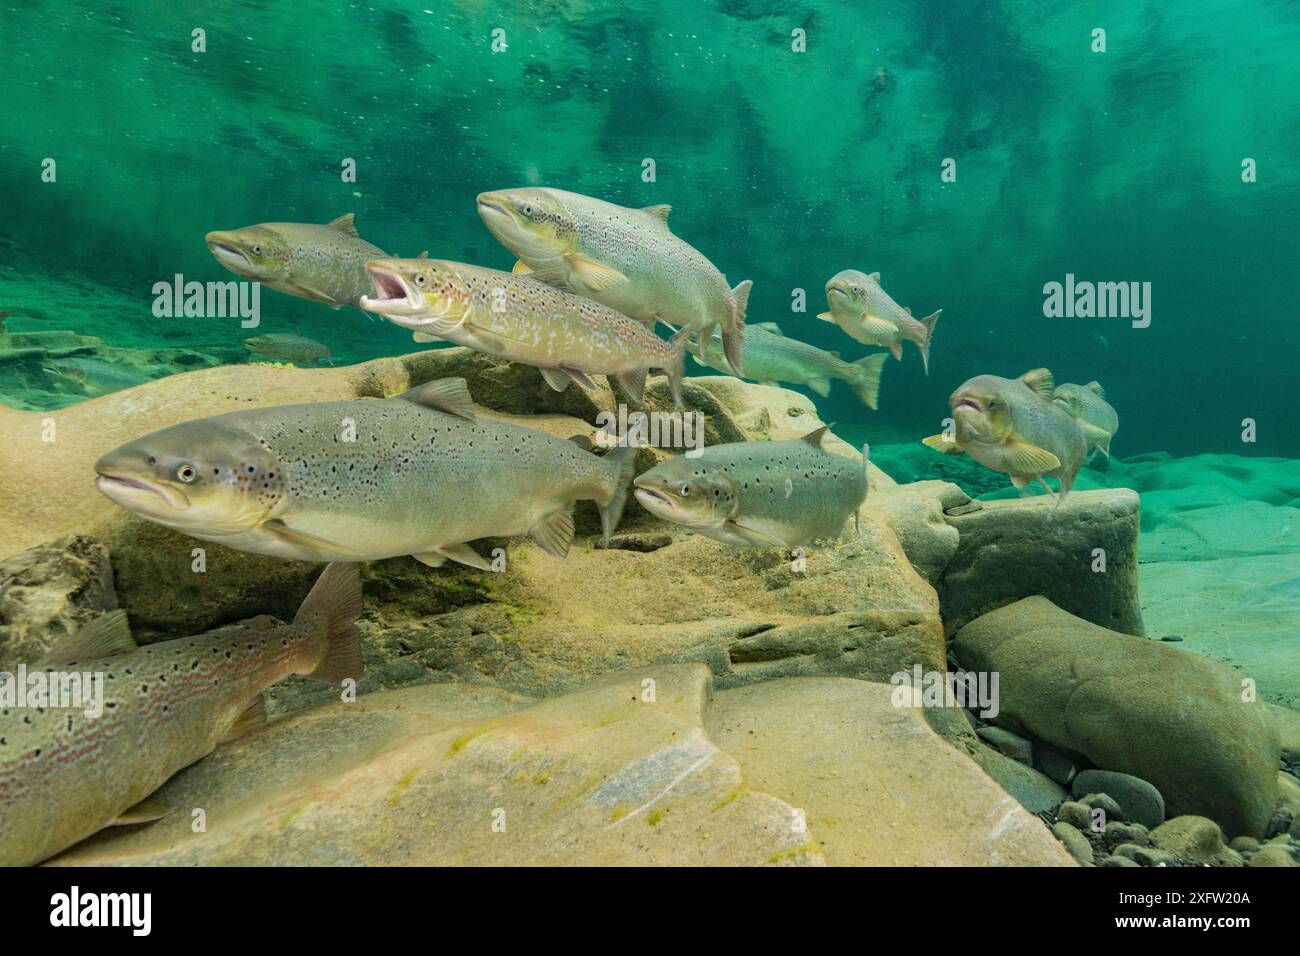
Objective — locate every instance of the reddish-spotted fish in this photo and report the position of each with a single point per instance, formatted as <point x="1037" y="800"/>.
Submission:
<point x="66" y="773"/>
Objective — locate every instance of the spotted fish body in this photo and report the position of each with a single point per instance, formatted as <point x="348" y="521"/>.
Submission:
<point x="287" y="346"/>
<point x="770" y="357"/>
<point x="323" y="263"/>
<point x="94" y="376"/>
<point x="758" y="494"/>
<point x="364" y="480"/>
<point x="648" y="273"/>
<point x="1097" y="417"/>
<point x="65" y="775"/>
<point x="867" y="313"/>
<point x="521" y="319"/>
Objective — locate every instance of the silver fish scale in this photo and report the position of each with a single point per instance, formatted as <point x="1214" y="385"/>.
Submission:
<point x="1045" y="424"/>
<point x="773" y="357"/>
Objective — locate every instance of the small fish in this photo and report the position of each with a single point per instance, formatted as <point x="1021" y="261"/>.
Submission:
<point x="361" y="480"/>
<point x="770" y="357"/>
<point x="1013" y="425"/>
<point x="522" y="319"/>
<point x="65" y="775"/>
<point x="627" y="259"/>
<point x="1088" y="405"/>
<point x="321" y="263"/>
<point x="860" y="307"/>
<point x="758" y="494"/>
<point x="288" y="347"/>
<point x="93" y="376"/>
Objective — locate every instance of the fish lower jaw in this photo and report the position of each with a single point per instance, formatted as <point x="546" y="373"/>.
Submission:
<point x="390" y="306"/>
<point x="131" y="493"/>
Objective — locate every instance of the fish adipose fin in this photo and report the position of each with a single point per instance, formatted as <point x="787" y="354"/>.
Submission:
<point x="620" y="462"/>
<point x="944" y="445"/>
<point x="460" y="553"/>
<point x="106" y="636"/>
<point x="146" y="811"/>
<point x="1026" y="459"/>
<point x="554" y="533"/>
<point x="595" y="275"/>
<point x="581" y="377"/>
<point x="251" y="718"/>
<point x="633" y="383"/>
<point x="333" y="606"/>
<point x="450" y="395"/>
<point x="866" y="379"/>
<point x="345" y="224"/>
<point x="1040" y="380"/>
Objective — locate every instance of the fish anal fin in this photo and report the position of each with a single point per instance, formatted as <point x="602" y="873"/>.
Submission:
<point x="554" y="533"/>
<point x="450" y="395"/>
<point x="106" y="636"/>
<point x="557" y="378"/>
<point x="345" y="224"/>
<point x="822" y="386"/>
<point x="460" y="553"/>
<point x="633" y="383"/>
<point x="250" y="718"/>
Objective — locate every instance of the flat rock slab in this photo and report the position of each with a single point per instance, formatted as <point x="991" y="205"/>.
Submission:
<point x="636" y="768"/>
<point x="1008" y="550"/>
<point x="1141" y="707"/>
<point x="874" y="784"/>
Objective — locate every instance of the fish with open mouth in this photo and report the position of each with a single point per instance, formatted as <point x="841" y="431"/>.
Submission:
<point x="66" y="772"/>
<point x="627" y="259"/>
<point x="1013" y="425"/>
<point x="417" y="474"/>
<point x="521" y="319"/>
<point x="865" y="311"/>
<point x="321" y="263"/>
<point x="758" y="494"/>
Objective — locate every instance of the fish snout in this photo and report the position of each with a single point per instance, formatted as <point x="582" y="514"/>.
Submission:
<point x="395" y="292"/>
<point x="226" y="249"/>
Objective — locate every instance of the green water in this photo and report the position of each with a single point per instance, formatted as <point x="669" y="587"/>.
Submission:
<point x="782" y="167"/>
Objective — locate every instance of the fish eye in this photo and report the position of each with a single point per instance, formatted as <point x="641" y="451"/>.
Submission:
<point x="857" y="290"/>
<point x="420" y="279"/>
<point x="257" y="250"/>
<point x="186" y="473"/>
<point x="527" y="209"/>
<point x="685" y="491"/>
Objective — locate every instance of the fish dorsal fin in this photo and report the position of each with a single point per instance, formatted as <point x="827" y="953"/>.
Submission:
<point x="815" y="436"/>
<point x="1040" y="380"/>
<point x="767" y="327"/>
<point x="423" y="255"/>
<point x="106" y="636"/>
<point x="1096" y="387"/>
<point x="659" y="211"/>
<point x="874" y="277"/>
<point x="450" y="395"/>
<point x="345" y="224"/>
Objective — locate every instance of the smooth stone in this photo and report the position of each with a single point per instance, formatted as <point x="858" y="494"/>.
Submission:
<point x="1244" y="844"/>
<point x="1109" y="808"/>
<point x="1054" y="764"/>
<point x="1272" y="856"/>
<point x="1032" y="790"/>
<point x="1008" y="744"/>
<point x="1088" y="690"/>
<point x="1132" y="833"/>
<point x="1138" y="800"/>
<point x="1117" y="861"/>
<point x="1077" y="815"/>
<point x="1190" y="837"/>
<point x="1074" y="841"/>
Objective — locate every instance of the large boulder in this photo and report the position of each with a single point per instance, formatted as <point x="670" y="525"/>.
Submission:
<point x="1136" y="706"/>
<point x="1008" y="550"/>
<point x="636" y="768"/>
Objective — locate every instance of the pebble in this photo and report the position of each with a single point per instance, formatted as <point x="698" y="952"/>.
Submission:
<point x="1139" y="801"/>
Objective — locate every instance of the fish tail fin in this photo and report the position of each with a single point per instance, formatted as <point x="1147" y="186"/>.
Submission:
<point x="733" y="333"/>
<point x="866" y="379"/>
<point x="927" y="333"/>
<point x="677" y="371"/>
<point x="621" y="461"/>
<point x="332" y="609"/>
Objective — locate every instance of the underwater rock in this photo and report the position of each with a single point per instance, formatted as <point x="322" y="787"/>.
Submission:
<point x="642" y="767"/>
<point x="917" y="514"/>
<point x="1075" y="842"/>
<point x="50" y="592"/>
<point x="1076" y="814"/>
<point x="1090" y="691"/>
<point x="1118" y="832"/>
<point x="1240" y="530"/>
<point x="1138" y="800"/>
<point x="1008" y="744"/>
<point x="1288" y="728"/>
<point x="1054" y="764"/>
<point x="1191" y="837"/>
<point x="1273" y="856"/>
<point x="1008" y="550"/>
<point x="1032" y="790"/>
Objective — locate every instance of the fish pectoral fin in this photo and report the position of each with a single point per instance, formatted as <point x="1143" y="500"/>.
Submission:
<point x="520" y="269"/>
<point x="751" y="536"/>
<point x="595" y="275"/>
<point x="460" y="553"/>
<point x="943" y="445"/>
<point x="146" y="811"/>
<point x="106" y="636"/>
<point x="825" y="316"/>
<point x="450" y="395"/>
<point x="309" y="292"/>
<point x="1027" y="459"/>
<point x="554" y="533"/>
<point x="633" y="383"/>
<point x="251" y="718"/>
<point x="822" y="386"/>
<point x="878" y="328"/>
<point x="557" y="378"/>
<point x="277" y="528"/>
